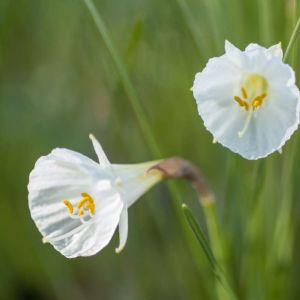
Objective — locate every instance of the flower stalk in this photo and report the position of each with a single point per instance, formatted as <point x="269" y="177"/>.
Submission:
<point x="179" y="168"/>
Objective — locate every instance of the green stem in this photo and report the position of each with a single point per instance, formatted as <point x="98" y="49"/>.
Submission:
<point x="292" y="40"/>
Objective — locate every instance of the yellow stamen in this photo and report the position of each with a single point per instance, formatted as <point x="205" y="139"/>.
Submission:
<point x="91" y="207"/>
<point x="69" y="206"/>
<point x="82" y="202"/>
<point x="86" y="195"/>
<point x="253" y="93"/>
<point x="257" y="101"/>
<point x="244" y="93"/>
<point x="87" y="202"/>
<point x="86" y="198"/>
<point x="241" y="102"/>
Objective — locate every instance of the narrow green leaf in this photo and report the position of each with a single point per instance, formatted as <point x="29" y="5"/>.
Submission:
<point x="199" y="234"/>
<point x="224" y="289"/>
<point x="134" y="40"/>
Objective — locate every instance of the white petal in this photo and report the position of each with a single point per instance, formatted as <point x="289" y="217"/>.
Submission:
<point x="235" y="55"/>
<point x="123" y="229"/>
<point x="64" y="174"/>
<point x="253" y="47"/>
<point x="254" y="58"/>
<point x="278" y="74"/>
<point x="279" y="118"/>
<point x="99" y="151"/>
<point x="219" y="76"/>
<point x="136" y="180"/>
<point x="231" y="49"/>
<point x="276" y="50"/>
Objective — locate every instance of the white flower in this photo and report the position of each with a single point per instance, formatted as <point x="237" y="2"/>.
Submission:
<point x="248" y="99"/>
<point x="77" y="203"/>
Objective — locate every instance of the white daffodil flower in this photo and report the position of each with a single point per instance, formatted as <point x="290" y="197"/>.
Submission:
<point x="77" y="203"/>
<point x="248" y="99"/>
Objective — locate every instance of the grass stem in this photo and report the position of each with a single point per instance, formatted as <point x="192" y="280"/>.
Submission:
<point x="292" y="40"/>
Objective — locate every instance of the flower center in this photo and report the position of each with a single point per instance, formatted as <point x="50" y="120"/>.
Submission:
<point x="253" y="93"/>
<point x="86" y="204"/>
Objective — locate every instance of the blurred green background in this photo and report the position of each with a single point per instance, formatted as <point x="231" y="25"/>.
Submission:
<point x="58" y="83"/>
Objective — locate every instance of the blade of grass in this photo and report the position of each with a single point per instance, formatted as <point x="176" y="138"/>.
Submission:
<point x="196" y="229"/>
<point x="134" y="41"/>
<point x="217" y="243"/>
<point x="292" y="41"/>
<point x="223" y="288"/>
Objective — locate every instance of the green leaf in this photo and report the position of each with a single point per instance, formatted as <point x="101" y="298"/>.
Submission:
<point x="199" y="234"/>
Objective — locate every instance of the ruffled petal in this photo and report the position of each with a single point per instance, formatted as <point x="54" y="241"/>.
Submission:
<point x="277" y="119"/>
<point x="278" y="74"/>
<point x="64" y="174"/>
<point x="276" y="50"/>
<point x="219" y="78"/>
<point x="213" y="90"/>
<point x="235" y="55"/>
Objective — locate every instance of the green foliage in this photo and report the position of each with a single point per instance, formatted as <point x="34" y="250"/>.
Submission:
<point x="129" y="85"/>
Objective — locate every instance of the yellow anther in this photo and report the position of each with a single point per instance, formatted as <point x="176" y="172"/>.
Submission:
<point x="86" y="198"/>
<point x="91" y="207"/>
<point x="87" y="202"/>
<point x="86" y="195"/>
<point x="241" y="102"/>
<point x="82" y="202"/>
<point x="257" y="101"/>
<point x="254" y="85"/>
<point x="69" y="206"/>
<point x="244" y="93"/>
